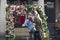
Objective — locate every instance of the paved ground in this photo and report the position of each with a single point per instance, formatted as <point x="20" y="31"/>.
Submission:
<point x="54" y="34"/>
<point x="2" y="37"/>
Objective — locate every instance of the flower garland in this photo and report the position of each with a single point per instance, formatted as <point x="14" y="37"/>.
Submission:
<point x="9" y="25"/>
<point x="42" y="16"/>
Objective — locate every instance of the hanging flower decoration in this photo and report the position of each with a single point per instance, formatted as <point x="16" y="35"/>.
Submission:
<point x="42" y="15"/>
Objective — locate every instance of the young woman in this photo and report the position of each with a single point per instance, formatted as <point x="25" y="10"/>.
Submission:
<point x="31" y="27"/>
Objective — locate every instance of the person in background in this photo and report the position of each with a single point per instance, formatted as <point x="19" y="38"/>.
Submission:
<point x="20" y="15"/>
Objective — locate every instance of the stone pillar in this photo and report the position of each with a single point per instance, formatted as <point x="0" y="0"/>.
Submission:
<point x="41" y="3"/>
<point x="57" y="8"/>
<point x="2" y="16"/>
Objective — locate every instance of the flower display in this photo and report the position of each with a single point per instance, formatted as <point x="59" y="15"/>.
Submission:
<point x="10" y="24"/>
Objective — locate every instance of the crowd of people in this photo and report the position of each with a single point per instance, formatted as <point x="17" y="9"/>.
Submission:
<point x="19" y="16"/>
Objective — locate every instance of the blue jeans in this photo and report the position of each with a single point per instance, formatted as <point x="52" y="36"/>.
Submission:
<point x="32" y="34"/>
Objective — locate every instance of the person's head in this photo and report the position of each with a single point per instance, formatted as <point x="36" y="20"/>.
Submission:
<point x="29" y="15"/>
<point x="22" y="8"/>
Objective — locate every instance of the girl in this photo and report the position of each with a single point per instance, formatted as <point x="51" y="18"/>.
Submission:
<point x="31" y="27"/>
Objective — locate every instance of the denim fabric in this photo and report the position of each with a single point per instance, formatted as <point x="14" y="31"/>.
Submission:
<point x="29" y="24"/>
<point x="31" y="28"/>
